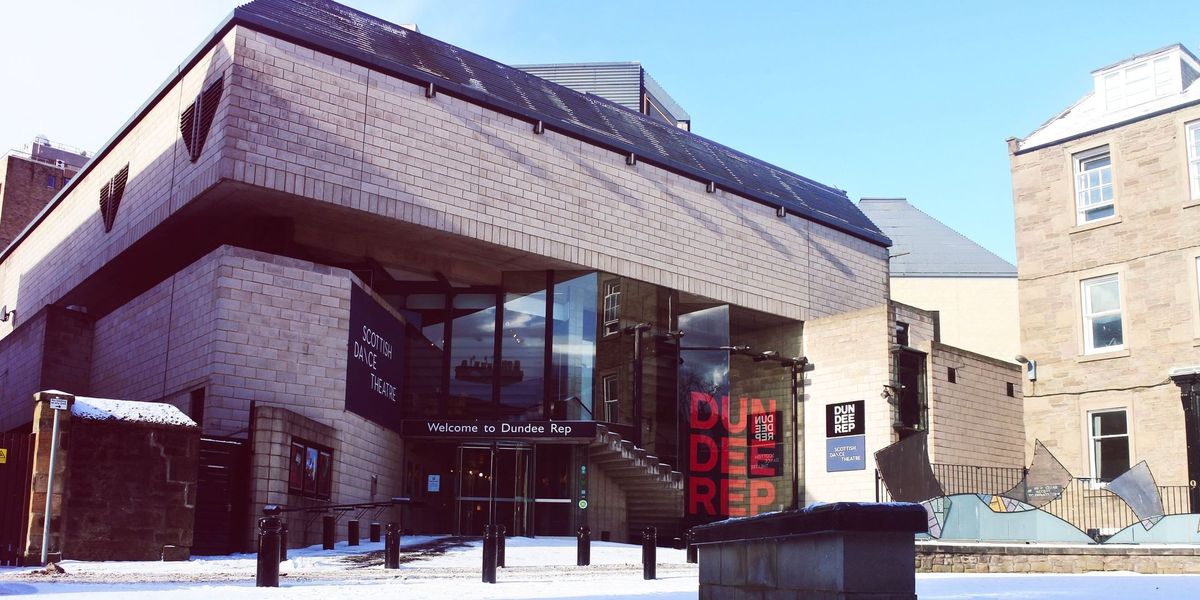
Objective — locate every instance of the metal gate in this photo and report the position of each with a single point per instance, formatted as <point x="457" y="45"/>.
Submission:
<point x="222" y="496"/>
<point x="16" y="471"/>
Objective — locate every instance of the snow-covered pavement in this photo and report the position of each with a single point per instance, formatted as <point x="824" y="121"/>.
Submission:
<point x="542" y="568"/>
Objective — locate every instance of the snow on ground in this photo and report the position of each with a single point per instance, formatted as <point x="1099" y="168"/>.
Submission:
<point x="541" y="568"/>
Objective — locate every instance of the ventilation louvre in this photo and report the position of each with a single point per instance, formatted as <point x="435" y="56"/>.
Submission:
<point x="197" y="118"/>
<point x="110" y="197"/>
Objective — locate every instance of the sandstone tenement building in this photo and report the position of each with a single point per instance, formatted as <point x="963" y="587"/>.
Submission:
<point x="1107" y="204"/>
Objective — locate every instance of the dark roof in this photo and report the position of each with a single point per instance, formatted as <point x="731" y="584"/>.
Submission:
<point x="922" y="246"/>
<point x="361" y="38"/>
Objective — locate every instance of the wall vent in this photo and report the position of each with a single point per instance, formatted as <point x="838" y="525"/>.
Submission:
<point x="110" y="197"/>
<point x="197" y="118"/>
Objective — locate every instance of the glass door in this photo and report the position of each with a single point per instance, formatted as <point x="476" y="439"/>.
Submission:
<point x="511" y="488"/>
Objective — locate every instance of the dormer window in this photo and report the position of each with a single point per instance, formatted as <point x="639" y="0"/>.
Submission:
<point x="1143" y="81"/>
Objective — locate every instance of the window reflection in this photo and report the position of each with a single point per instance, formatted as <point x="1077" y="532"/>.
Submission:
<point x="472" y="353"/>
<point x="574" y="360"/>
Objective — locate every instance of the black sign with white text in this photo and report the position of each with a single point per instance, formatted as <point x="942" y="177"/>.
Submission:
<point x="845" y="419"/>
<point x="374" y="360"/>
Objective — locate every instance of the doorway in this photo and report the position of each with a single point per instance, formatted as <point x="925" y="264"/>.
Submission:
<point x="511" y="474"/>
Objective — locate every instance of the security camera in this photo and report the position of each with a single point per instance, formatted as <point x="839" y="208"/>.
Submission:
<point x="1021" y="359"/>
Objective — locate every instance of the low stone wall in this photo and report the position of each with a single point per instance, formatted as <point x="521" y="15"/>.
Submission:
<point x="938" y="557"/>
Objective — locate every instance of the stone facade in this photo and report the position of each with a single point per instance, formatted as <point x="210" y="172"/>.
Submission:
<point x="971" y="422"/>
<point x="1151" y="246"/>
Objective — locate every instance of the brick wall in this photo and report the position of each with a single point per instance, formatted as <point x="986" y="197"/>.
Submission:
<point x="974" y="421"/>
<point x="1151" y="245"/>
<point x="974" y="558"/>
<point x="25" y="188"/>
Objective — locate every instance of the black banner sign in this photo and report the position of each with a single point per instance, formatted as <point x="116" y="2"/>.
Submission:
<point x="374" y="360"/>
<point x="544" y="430"/>
<point x="845" y="418"/>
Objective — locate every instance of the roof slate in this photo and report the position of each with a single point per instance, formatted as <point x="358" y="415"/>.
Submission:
<point x="922" y="246"/>
<point x="373" y="42"/>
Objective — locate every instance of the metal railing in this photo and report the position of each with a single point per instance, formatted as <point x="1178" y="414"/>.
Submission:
<point x="1084" y="502"/>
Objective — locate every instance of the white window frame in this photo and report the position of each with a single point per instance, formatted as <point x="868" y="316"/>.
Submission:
<point x="612" y="401"/>
<point x="1093" y="438"/>
<point x="1083" y="188"/>
<point x="1193" y="156"/>
<point x="1089" y="346"/>
<point x="612" y="307"/>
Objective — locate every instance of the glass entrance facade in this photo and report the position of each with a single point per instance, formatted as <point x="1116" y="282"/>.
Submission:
<point x="696" y="383"/>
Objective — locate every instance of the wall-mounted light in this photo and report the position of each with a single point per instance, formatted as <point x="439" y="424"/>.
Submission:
<point x="6" y="314"/>
<point x="1030" y="366"/>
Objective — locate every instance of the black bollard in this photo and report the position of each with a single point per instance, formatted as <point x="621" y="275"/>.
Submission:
<point x="692" y="550"/>
<point x="500" y="535"/>
<point x="328" y="523"/>
<point x="583" y="546"/>
<point x="391" y="547"/>
<point x="283" y="540"/>
<point x="489" y="554"/>
<point x="352" y="532"/>
<point x="649" y="549"/>
<point x="375" y="530"/>
<point x="268" y="548"/>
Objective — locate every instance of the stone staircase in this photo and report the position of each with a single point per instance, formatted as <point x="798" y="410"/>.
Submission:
<point x="653" y="491"/>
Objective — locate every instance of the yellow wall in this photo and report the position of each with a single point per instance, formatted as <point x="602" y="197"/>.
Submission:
<point x="977" y="314"/>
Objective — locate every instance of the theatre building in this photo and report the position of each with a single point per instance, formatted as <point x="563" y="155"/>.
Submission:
<point x="385" y="266"/>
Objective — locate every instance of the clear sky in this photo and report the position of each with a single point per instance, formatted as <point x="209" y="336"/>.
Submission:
<point x="882" y="99"/>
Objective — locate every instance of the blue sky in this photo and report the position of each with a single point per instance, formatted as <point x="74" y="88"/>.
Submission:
<point x="889" y="99"/>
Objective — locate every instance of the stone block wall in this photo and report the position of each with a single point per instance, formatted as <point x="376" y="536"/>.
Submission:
<point x="607" y="506"/>
<point x="974" y="421"/>
<point x="306" y="123"/>
<point x="123" y="490"/>
<point x="50" y="349"/>
<point x="131" y="489"/>
<point x="990" y="558"/>
<point x="850" y="361"/>
<point x="71" y="243"/>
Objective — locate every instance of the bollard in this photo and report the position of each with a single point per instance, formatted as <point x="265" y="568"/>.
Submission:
<point x="391" y="547"/>
<point x="489" y="554"/>
<point x="283" y="540"/>
<point x="500" y="535"/>
<point x="583" y="546"/>
<point x="352" y="532"/>
<point x="267" y="574"/>
<point x="328" y="523"/>
<point x="375" y="529"/>
<point x="692" y="550"/>
<point x="649" y="549"/>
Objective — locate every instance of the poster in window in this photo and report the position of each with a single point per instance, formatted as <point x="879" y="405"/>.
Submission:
<point x="765" y="448"/>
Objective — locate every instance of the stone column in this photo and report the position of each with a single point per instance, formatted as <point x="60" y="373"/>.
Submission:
<point x="43" y="423"/>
